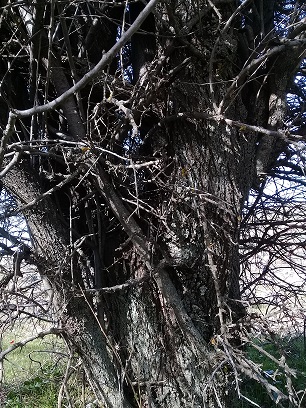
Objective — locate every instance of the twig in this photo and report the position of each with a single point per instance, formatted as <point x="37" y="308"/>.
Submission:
<point x="10" y="164"/>
<point x="21" y="343"/>
<point x="64" y="381"/>
<point x="8" y="132"/>
<point x="58" y="186"/>
<point x="94" y="72"/>
<point x="123" y="286"/>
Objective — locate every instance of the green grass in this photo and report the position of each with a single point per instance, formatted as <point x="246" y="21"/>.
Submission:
<point x="295" y="356"/>
<point x="33" y="374"/>
<point x="38" y="391"/>
<point x="30" y="359"/>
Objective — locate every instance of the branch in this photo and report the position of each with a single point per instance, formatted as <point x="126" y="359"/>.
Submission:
<point x="14" y="240"/>
<point x="249" y="69"/>
<point x="214" y="50"/>
<point x="143" y="246"/>
<point x="21" y="343"/>
<point x="58" y="186"/>
<point x="93" y="73"/>
<point x="8" y="132"/>
<point x="14" y="160"/>
<point x="117" y="288"/>
<point x="284" y="135"/>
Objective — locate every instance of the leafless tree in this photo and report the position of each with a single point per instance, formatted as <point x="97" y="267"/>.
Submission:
<point x="132" y="136"/>
<point x="273" y="247"/>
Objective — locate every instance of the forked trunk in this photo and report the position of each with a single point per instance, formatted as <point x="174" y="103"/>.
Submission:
<point x="143" y="258"/>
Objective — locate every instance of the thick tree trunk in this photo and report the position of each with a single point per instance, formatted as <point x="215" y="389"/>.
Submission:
<point x="149" y="296"/>
<point x="157" y="347"/>
<point x="73" y="312"/>
<point x="165" y="329"/>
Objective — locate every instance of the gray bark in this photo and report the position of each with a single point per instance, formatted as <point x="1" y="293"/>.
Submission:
<point x="168" y="260"/>
<point x="81" y="328"/>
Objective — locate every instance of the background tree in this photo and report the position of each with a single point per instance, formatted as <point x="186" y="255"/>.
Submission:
<point x="132" y="136"/>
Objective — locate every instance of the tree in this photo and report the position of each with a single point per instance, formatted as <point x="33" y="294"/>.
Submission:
<point x="132" y="136"/>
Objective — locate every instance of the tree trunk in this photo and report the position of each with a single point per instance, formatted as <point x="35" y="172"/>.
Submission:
<point x="143" y="261"/>
<point x="166" y="329"/>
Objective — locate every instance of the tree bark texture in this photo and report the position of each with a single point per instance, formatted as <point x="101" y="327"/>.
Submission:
<point x="144" y="263"/>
